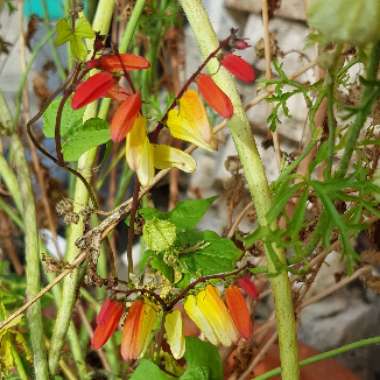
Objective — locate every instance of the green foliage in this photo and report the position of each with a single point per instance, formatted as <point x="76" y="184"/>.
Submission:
<point x="148" y="370"/>
<point x="83" y="137"/>
<point x="351" y="21"/>
<point x="203" y="361"/>
<point x="70" y="118"/>
<point x="77" y="137"/>
<point x="75" y="36"/>
<point x="159" y="235"/>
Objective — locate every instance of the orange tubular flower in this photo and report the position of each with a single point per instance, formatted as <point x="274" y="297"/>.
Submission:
<point x="210" y="314"/>
<point x="124" y="117"/>
<point x="214" y="96"/>
<point x="137" y="331"/>
<point x="92" y="89"/>
<point x="239" y="68"/>
<point x="106" y="322"/>
<point x="239" y="311"/>
<point x="119" y="62"/>
<point x="117" y="93"/>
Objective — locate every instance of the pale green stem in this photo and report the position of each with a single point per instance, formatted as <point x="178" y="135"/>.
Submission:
<point x="257" y="182"/>
<point x="101" y="24"/>
<point x="324" y="355"/>
<point x="32" y="258"/>
<point x="19" y="365"/>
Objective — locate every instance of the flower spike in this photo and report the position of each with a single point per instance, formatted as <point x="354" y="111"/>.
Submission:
<point x="214" y="96"/>
<point x="119" y="62"/>
<point x="138" y="327"/>
<point x="95" y="87"/>
<point x="190" y="122"/>
<point x="239" y="311"/>
<point x="106" y="322"/>
<point x="124" y="117"/>
<point x="238" y="67"/>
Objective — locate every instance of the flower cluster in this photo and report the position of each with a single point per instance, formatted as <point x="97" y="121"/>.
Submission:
<point x="186" y="119"/>
<point x="221" y="322"/>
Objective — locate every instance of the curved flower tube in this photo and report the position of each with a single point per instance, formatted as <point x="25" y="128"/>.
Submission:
<point x="174" y="333"/>
<point x="143" y="157"/>
<point x="239" y="68"/>
<point x="210" y="314"/>
<point x="138" y="327"/>
<point x="107" y="322"/>
<point x="239" y="311"/>
<point x="190" y="123"/>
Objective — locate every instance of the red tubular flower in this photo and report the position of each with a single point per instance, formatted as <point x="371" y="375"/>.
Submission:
<point x="214" y="96"/>
<point x="239" y="311"/>
<point x="106" y="322"/>
<point x="124" y="117"/>
<point x="117" y="93"/>
<point x="238" y="67"/>
<point x="91" y="89"/>
<point x="249" y="287"/>
<point x="119" y="62"/>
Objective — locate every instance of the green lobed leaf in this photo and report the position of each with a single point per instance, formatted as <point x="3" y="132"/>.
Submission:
<point x="186" y="215"/>
<point x="196" y="373"/>
<point x="70" y="118"/>
<point x="159" y="235"/>
<point x="201" y="354"/>
<point x="215" y="254"/>
<point x="148" y="370"/>
<point x="81" y="138"/>
<point x="63" y="32"/>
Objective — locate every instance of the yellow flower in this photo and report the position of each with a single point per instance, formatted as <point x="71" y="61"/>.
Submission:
<point x="190" y="122"/>
<point x="210" y="314"/>
<point x="174" y="333"/>
<point x="143" y="157"/>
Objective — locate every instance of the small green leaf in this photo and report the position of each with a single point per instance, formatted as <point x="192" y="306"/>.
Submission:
<point x="78" y="48"/>
<point x="82" y="138"/>
<point x="157" y="262"/>
<point x="83" y="28"/>
<point x="159" y="235"/>
<point x="69" y="119"/>
<point x="215" y="254"/>
<point x="187" y="214"/>
<point x="298" y="217"/>
<point x="260" y="233"/>
<point x="63" y="32"/>
<point x="201" y="354"/>
<point x="148" y="370"/>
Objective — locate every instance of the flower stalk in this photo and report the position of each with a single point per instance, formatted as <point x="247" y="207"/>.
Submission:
<point x="257" y="183"/>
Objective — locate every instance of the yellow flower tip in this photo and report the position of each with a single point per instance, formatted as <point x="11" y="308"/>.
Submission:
<point x="196" y="315"/>
<point x="190" y="122"/>
<point x="166" y="157"/>
<point x="174" y="333"/>
<point x="139" y="152"/>
<point x="213" y="307"/>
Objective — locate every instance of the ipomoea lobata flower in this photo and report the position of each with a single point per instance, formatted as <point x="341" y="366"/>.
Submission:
<point x="93" y="88"/>
<point x="190" y="123"/>
<point x="119" y="62"/>
<point x="143" y="157"/>
<point x="137" y="332"/>
<point x="107" y="322"/>
<point x="125" y="116"/>
<point x="239" y="68"/>
<point x="214" y="96"/>
<point x="210" y="314"/>
<point x="246" y="283"/>
<point x="174" y="333"/>
<point x="239" y="311"/>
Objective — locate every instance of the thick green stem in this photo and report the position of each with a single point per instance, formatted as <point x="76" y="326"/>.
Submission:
<point x="324" y="355"/>
<point x="32" y="257"/>
<point x="257" y="183"/>
<point x="101" y="24"/>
